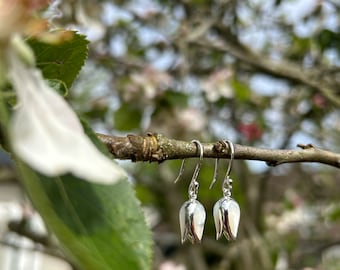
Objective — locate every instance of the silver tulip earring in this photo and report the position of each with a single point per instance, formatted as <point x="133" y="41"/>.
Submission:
<point x="226" y="211"/>
<point x="192" y="213"/>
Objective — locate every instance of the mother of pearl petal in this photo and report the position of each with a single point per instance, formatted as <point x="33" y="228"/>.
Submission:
<point x="226" y="213"/>
<point x="191" y="219"/>
<point x="217" y="212"/>
<point x="199" y="220"/>
<point x="232" y="211"/>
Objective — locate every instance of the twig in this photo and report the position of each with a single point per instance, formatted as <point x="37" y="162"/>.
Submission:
<point x="284" y="69"/>
<point x="21" y="228"/>
<point x="47" y="244"/>
<point x="157" y="148"/>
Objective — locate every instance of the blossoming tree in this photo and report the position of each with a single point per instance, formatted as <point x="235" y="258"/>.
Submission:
<point x="185" y="69"/>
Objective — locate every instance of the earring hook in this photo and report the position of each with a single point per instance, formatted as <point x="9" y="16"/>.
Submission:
<point x="227" y="182"/>
<point x="232" y="152"/>
<point x="199" y="163"/>
<point x="215" y="173"/>
<point x="193" y="186"/>
<point x="181" y="170"/>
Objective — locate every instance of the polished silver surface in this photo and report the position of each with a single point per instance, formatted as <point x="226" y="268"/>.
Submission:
<point x="226" y="213"/>
<point x="192" y="219"/>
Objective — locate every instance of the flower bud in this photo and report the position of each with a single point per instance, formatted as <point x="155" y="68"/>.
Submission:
<point x="192" y="218"/>
<point x="226" y="213"/>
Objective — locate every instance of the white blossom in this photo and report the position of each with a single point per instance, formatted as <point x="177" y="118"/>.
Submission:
<point x="47" y="134"/>
<point x="218" y="85"/>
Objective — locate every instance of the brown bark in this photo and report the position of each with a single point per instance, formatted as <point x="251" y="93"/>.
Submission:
<point x="157" y="148"/>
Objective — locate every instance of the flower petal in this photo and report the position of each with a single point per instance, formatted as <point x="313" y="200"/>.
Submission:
<point x="183" y="222"/>
<point x="233" y="213"/>
<point x="226" y="213"/>
<point x="47" y="134"/>
<point x="218" y="219"/>
<point x="199" y="220"/>
<point x="192" y="219"/>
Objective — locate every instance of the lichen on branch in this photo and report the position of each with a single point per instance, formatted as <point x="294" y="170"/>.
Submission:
<point x="155" y="147"/>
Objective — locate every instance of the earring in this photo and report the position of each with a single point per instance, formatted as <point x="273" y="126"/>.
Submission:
<point x="192" y="213"/>
<point x="226" y="211"/>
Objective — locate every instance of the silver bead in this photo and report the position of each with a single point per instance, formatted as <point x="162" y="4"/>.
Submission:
<point x="226" y="213"/>
<point x="192" y="219"/>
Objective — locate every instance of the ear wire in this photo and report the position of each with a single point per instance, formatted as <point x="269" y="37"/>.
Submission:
<point x="232" y="151"/>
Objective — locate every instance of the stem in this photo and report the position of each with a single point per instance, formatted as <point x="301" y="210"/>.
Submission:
<point x="156" y="148"/>
<point x="283" y="69"/>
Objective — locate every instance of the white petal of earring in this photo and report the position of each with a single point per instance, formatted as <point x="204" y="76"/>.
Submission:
<point x="226" y="211"/>
<point x="192" y="213"/>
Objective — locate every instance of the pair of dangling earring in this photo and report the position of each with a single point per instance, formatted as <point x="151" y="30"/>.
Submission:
<point x="226" y="210"/>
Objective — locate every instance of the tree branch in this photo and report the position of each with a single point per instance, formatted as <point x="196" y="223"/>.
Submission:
<point x="283" y="69"/>
<point x="23" y="229"/>
<point x="157" y="148"/>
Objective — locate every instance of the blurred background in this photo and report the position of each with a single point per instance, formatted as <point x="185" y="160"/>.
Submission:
<point x="260" y="73"/>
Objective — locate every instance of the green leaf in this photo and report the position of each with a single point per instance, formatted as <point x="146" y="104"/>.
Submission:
<point x="61" y="61"/>
<point x="300" y="46"/>
<point x="127" y="117"/>
<point x="242" y="91"/>
<point x="327" y="39"/>
<point x="334" y="213"/>
<point x="98" y="226"/>
<point x="174" y="99"/>
<point x="59" y="86"/>
<point x="9" y="96"/>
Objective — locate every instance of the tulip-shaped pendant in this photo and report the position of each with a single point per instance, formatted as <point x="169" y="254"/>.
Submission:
<point x="226" y="213"/>
<point x="192" y="219"/>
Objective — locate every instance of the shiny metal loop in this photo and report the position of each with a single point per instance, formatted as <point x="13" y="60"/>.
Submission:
<point x="193" y="190"/>
<point x="193" y="187"/>
<point x="199" y="163"/>
<point x="215" y="173"/>
<point x="181" y="170"/>
<point x="228" y="182"/>
<point x="232" y="152"/>
<point x="227" y="187"/>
